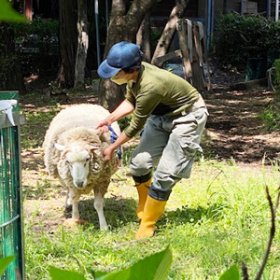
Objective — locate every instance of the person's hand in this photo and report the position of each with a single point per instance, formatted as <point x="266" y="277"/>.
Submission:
<point x="108" y="153"/>
<point x="103" y="126"/>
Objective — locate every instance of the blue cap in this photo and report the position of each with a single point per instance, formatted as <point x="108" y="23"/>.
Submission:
<point x="121" y="55"/>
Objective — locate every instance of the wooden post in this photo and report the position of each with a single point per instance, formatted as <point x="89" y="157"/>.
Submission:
<point x="183" y="39"/>
<point x="197" y="64"/>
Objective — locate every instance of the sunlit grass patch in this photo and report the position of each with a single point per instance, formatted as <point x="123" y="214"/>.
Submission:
<point x="217" y="218"/>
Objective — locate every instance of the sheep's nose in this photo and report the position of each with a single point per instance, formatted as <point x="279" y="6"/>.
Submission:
<point x="79" y="184"/>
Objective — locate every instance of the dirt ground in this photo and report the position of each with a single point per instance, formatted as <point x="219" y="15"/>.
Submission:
<point x="234" y="128"/>
<point x="234" y="131"/>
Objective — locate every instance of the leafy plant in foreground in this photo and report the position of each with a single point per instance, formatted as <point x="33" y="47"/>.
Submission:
<point x="154" y="267"/>
<point x="4" y="263"/>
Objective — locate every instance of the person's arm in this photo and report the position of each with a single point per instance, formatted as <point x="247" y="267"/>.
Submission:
<point x="124" y="109"/>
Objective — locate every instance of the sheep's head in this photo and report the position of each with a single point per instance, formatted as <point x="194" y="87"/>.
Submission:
<point x="80" y="161"/>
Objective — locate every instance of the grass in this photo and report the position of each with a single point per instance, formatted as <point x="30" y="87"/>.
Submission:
<point x="218" y="218"/>
<point x="271" y="115"/>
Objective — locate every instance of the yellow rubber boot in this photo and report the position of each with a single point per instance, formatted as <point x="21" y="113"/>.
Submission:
<point x="142" y="190"/>
<point x="152" y="212"/>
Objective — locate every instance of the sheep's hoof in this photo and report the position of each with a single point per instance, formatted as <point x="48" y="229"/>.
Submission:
<point x="104" y="228"/>
<point x="68" y="208"/>
<point x="74" y="222"/>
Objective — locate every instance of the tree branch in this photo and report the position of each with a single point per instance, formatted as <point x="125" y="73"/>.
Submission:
<point x="273" y="209"/>
<point x="169" y="29"/>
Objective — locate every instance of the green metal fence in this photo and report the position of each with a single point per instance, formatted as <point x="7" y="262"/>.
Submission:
<point x="11" y="233"/>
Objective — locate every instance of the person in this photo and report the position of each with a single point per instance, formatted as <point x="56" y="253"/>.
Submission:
<point x="170" y="115"/>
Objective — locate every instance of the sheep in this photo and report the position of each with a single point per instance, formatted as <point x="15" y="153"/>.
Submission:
<point x="73" y="153"/>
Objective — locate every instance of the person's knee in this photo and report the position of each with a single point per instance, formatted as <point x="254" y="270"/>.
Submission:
<point x="141" y="164"/>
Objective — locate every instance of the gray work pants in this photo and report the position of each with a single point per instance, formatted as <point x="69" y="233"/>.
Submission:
<point x="167" y="146"/>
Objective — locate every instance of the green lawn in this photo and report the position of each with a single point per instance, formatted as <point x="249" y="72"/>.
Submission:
<point x="218" y="218"/>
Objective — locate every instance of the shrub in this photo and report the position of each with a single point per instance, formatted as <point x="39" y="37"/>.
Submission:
<point x="277" y="76"/>
<point x="271" y="116"/>
<point x="244" y="36"/>
<point x="36" y="45"/>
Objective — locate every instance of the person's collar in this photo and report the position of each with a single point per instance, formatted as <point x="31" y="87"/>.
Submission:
<point x="140" y="73"/>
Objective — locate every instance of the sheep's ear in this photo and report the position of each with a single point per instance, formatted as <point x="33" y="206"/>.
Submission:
<point x="59" y="146"/>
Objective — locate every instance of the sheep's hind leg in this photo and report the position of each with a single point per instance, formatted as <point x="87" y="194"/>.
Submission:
<point x="99" y="207"/>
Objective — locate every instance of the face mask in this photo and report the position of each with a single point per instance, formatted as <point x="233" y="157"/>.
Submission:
<point x="119" y="81"/>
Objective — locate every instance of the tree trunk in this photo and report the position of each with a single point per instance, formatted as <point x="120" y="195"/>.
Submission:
<point x="81" y="54"/>
<point x="68" y="41"/>
<point x="123" y="26"/>
<point x="169" y="29"/>
<point x="143" y="38"/>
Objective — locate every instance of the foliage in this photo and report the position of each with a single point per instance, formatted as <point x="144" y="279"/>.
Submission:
<point x="60" y="274"/>
<point x="231" y="274"/>
<point x="8" y="14"/>
<point x="277" y="78"/>
<point x="245" y="36"/>
<point x="271" y="116"/>
<point x="4" y="263"/>
<point x="42" y="27"/>
<point x="156" y="267"/>
<point x="7" y="67"/>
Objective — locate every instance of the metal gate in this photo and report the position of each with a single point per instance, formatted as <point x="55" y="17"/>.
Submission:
<point x="11" y="233"/>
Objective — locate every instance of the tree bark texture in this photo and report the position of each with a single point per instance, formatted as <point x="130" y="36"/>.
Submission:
<point x="143" y="37"/>
<point x="82" y="48"/>
<point x="68" y="41"/>
<point x="124" y="24"/>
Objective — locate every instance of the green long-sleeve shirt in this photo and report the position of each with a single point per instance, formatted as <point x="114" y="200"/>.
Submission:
<point x="160" y="92"/>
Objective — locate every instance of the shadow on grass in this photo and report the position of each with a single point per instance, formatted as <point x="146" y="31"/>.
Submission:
<point x="194" y="216"/>
<point x="118" y="212"/>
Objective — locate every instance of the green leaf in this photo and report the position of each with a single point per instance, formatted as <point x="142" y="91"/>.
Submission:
<point x="4" y="263"/>
<point x="231" y="274"/>
<point x="154" y="267"/>
<point x="98" y="274"/>
<point x="7" y="13"/>
<point x="60" y="274"/>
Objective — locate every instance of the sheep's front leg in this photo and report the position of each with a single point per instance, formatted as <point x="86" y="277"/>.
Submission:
<point x="72" y="199"/>
<point x="68" y="201"/>
<point x="99" y="207"/>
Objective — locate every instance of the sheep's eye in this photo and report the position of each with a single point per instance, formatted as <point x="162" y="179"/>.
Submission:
<point x="68" y="163"/>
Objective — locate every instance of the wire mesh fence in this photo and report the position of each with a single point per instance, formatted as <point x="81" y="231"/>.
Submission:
<point x="11" y="235"/>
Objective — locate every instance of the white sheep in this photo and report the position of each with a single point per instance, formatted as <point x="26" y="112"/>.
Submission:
<point x="73" y="153"/>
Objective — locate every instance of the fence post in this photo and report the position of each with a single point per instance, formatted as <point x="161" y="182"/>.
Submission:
<point x="11" y="223"/>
